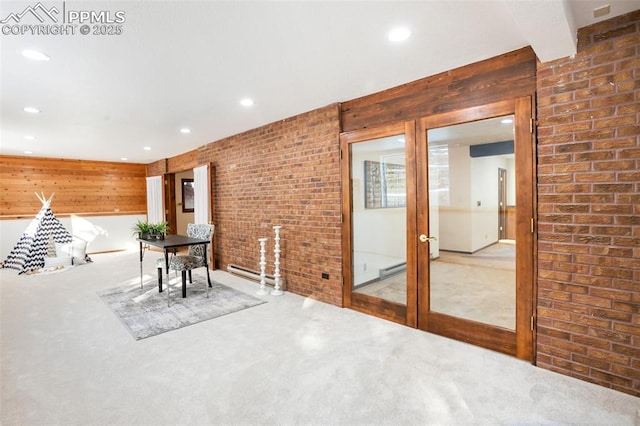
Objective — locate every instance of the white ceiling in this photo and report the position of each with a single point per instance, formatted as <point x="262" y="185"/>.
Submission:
<point x="188" y="64"/>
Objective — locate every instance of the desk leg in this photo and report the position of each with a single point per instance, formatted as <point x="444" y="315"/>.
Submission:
<point x="141" y="257"/>
<point x="166" y="264"/>
<point x="206" y="267"/>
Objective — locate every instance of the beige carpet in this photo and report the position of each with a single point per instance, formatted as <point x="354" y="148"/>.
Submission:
<point x="67" y="360"/>
<point x="479" y="286"/>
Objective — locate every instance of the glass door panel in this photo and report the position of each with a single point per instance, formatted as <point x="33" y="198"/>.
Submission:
<point x="379" y="218"/>
<point x="472" y="269"/>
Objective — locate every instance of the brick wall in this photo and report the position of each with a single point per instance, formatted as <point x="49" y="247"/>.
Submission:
<point x="286" y="173"/>
<point x="589" y="208"/>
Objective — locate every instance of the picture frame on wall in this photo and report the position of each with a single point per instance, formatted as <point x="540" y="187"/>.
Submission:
<point x="187" y="196"/>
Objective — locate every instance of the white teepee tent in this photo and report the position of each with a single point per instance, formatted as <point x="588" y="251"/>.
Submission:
<point x="30" y="251"/>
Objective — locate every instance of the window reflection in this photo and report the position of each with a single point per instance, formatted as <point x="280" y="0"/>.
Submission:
<point x="378" y="176"/>
<point x="472" y="268"/>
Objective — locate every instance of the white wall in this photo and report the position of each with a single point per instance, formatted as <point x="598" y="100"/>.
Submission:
<point x="455" y="218"/>
<point x="511" y="180"/>
<point x="379" y="235"/>
<point x="484" y="190"/>
<point x="466" y="226"/>
<point x="103" y="233"/>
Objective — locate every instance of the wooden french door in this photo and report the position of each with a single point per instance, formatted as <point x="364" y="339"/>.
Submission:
<point x="379" y="227"/>
<point x="472" y="285"/>
<point x="421" y="238"/>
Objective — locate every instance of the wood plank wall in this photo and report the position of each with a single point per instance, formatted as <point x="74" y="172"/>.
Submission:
<point x="177" y="164"/>
<point x="157" y="168"/>
<point x="504" y="77"/>
<point x="80" y="186"/>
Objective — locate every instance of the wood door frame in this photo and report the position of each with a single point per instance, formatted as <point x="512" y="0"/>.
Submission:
<point x="171" y="211"/>
<point x="403" y="314"/>
<point x="520" y="342"/>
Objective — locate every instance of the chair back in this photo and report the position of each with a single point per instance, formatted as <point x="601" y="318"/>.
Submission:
<point x="202" y="231"/>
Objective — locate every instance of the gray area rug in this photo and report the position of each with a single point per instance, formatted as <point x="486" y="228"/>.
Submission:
<point x="145" y="313"/>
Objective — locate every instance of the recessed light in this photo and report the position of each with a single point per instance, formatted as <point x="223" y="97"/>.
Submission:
<point x="185" y="130"/>
<point x="246" y="102"/>
<point x="35" y="55"/>
<point x="399" y="34"/>
<point x="29" y="137"/>
<point x="28" y="152"/>
<point x="124" y="158"/>
<point x="147" y="148"/>
<point x="506" y="121"/>
<point x="31" y="110"/>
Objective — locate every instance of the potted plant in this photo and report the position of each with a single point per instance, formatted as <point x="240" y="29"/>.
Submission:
<point x="142" y="229"/>
<point x="159" y="230"/>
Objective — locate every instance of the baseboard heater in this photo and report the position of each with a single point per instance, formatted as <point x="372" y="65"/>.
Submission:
<point x="255" y="275"/>
<point x="392" y="270"/>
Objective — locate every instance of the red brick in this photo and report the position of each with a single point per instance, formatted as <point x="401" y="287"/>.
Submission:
<point x="608" y="356"/>
<point x="573" y="127"/>
<point x="595" y="177"/>
<point x="554" y="351"/>
<point x="612" y="314"/>
<point x="572" y="366"/>
<point x="611" y="378"/>
<point x="593" y="281"/>
<point x="552" y="332"/>
<point x="611" y="336"/>
<point x="627" y="120"/>
<point x="591" y="361"/>
<point x="595" y="134"/>
<point x="626" y="372"/>
<point x="591" y="321"/>
<point x="615" y="165"/>
<point x="592" y="342"/>
<point x="626" y="329"/>
<point x="591" y="301"/>
<point x="633" y="352"/>
<point x="614" y="143"/>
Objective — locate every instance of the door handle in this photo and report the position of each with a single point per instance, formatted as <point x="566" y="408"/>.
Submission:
<point x="424" y="238"/>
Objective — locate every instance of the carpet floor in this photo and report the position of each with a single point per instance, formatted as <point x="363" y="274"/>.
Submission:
<point x="67" y="360"/>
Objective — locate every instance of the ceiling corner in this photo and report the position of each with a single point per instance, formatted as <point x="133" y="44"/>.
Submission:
<point x="548" y="25"/>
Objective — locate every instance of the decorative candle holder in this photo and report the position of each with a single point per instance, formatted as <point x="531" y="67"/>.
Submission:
<point x="276" y="263"/>
<point x="263" y="265"/>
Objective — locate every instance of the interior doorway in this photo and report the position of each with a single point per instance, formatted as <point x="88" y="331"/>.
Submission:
<point x="177" y="213"/>
<point x="425" y="239"/>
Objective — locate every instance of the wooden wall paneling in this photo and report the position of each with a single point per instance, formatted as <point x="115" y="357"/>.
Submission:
<point x="80" y="186"/>
<point x="182" y="162"/>
<point x="157" y="168"/>
<point x="507" y="76"/>
<point x="170" y="212"/>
